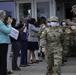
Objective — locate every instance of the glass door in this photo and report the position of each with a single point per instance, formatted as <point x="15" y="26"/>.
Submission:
<point x="24" y="10"/>
<point x="43" y="9"/>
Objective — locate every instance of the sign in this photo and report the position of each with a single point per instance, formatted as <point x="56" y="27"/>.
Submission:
<point x="14" y="33"/>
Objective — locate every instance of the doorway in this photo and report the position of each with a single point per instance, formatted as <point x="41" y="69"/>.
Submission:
<point x="24" y="10"/>
<point x="68" y="13"/>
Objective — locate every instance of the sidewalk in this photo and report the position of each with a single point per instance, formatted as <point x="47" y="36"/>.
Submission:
<point x="40" y="69"/>
<point x="70" y="67"/>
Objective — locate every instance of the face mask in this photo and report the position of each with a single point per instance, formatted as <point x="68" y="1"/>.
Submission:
<point x="57" y="24"/>
<point x="63" y="23"/>
<point x="48" y="24"/>
<point x="53" y="24"/>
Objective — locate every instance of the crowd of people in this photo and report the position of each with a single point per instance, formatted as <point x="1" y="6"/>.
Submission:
<point x="48" y="38"/>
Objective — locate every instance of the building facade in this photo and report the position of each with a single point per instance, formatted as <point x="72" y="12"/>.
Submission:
<point x="46" y="8"/>
<point x="35" y="8"/>
<point x="8" y="6"/>
<point x="38" y="8"/>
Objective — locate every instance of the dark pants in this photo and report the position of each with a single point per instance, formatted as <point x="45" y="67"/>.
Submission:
<point x="15" y="50"/>
<point x="23" y="60"/>
<point x="3" y="59"/>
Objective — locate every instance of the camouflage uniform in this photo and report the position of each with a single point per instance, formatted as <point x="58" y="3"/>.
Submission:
<point x="73" y="43"/>
<point x="50" y="40"/>
<point x="65" y="45"/>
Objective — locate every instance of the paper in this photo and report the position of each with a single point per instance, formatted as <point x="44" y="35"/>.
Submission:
<point x="14" y="33"/>
<point x="25" y="30"/>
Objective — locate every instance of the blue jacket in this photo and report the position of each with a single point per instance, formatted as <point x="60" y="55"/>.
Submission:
<point x="4" y="31"/>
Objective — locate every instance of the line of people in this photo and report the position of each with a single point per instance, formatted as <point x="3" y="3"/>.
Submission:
<point x="31" y="38"/>
<point x="26" y="44"/>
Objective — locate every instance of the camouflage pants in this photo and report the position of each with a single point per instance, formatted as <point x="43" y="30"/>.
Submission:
<point x="53" y="62"/>
<point x="57" y="62"/>
<point x="65" y="53"/>
<point x="50" y="63"/>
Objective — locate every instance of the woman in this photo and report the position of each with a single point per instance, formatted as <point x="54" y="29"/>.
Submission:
<point x="4" y="41"/>
<point x="23" y="60"/>
<point x="9" y="47"/>
<point x="16" y="45"/>
<point x="51" y="45"/>
<point x="32" y="41"/>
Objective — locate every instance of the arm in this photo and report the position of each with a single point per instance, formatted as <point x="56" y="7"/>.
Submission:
<point x="43" y="39"/>
<point x="71" y="23"/>
<point x="5" y="29"/>
<point x="39" y="33"/>
<point x="35" y="29"/>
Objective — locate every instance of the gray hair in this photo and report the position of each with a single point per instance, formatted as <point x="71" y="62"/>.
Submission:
<point x="2" y="13"/>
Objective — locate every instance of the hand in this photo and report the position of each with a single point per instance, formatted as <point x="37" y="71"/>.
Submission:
<point x="21" y="29"/>
<point x="43" y="50"/>
<point x="67" y="21"/>
<point x="9" y="20"/>
<point x="31" y="35"/>
<point x="73" y="9"/>
<point x="68" y="31"/>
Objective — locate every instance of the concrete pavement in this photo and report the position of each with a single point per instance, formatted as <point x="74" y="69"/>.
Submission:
<point x="40" y="69"/>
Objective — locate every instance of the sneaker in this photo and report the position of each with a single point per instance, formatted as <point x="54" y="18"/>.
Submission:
<point x="27" y="65"/>
<point x="22" y="65"/>
<point x="17" y="69"/>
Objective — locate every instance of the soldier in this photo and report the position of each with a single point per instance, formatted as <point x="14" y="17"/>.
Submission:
<point x="65" y="45"/>
<point x="73" y="40"/>
<point x="52" y="45"/>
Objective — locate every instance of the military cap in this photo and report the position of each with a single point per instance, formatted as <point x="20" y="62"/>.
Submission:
<point x="49" y="19"/>
<point x="73" y="27"/>
<point x="54" y="18"/>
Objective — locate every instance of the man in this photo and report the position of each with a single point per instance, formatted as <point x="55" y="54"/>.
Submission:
<point x="65" y="39"/>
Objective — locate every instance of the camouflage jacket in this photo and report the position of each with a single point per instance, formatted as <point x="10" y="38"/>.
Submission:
<point x="73" y="38"/>
<point x="50" y="38"/>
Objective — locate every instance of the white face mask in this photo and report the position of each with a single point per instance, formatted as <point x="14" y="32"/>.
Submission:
<point x="53" y="24"/>
<point x="63" y="23"/>
<point x="48" y="24"/>
<point x="57" y="24"/>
